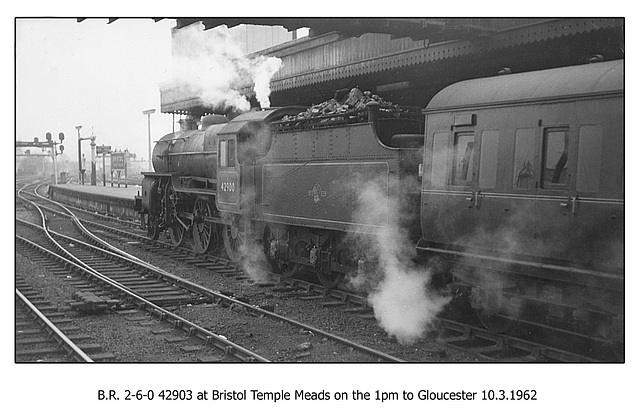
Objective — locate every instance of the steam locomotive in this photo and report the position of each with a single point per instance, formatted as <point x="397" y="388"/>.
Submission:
<point x="511" y="185"/>
<point x="284" y="184"/>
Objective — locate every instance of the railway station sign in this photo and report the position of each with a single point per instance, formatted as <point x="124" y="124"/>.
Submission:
<point x="103" y="149"/>
<point x="118" y="161"/>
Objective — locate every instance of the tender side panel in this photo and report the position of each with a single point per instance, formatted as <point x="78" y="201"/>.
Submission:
<point x="323" y="194"/>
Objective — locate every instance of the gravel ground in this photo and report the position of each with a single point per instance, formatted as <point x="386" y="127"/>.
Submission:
<point x="150" y="341"/>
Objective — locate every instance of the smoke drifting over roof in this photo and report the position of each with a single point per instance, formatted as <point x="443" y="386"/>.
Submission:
<point x="214" y="68"/>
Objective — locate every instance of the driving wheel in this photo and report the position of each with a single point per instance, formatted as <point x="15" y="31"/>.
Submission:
<point x="204" y="233"/>
<point x="176" y="233"/>
<point x="174" y="225"/>
<point x="153" y="227"/>
<point x="329" y="280"/>
<point x="234" y="238"/>
<point x="272" y="239"/>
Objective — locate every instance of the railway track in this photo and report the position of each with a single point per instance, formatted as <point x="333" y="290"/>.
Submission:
<point x="136" y="277"/>
<point x="44" y="334"/>
<point x="92" y="301"/>
<point x="454" y="335"/>
<point x="96" y="293"/>
<point x="163" y="289"/>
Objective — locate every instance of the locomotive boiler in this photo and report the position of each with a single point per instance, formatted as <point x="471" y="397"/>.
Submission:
<point x="183" y="161"/>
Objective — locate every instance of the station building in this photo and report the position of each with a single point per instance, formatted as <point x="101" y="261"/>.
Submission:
<point x="406" y="61"/>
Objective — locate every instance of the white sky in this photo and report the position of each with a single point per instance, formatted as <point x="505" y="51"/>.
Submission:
<point x="98" y="75"/>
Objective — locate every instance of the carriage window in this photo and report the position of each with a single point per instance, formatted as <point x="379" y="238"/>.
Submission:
<point x="439" y="159"/>
<point x="463" y="153"/>
<point x="488" y="160"/>
<point x="523" y="159"/>
<point x="556" y="155"/>
<point x="589" y="158"/>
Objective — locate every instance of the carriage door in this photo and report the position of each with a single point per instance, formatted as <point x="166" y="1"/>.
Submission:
<point x="555" y="201"/>
<point x="463" y="187"/>
<point x="480" y="151"/>
<point x="486" y="201"/>
<point x="228" y="178"/>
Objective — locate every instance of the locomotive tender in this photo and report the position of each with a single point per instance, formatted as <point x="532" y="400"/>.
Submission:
<point x="521" y="197"/>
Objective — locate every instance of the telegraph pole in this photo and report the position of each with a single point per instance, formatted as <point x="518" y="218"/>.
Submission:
<point x="54" y="153"/>
<point x="93" y="160"/>
<point x="92" y="138"/>
<point x="104" y="150"/>
<point x="149" y="112"/>
<point x="80" y="172"/>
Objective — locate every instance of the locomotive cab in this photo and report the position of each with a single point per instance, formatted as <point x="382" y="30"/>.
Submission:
<point x="240" y="142"/>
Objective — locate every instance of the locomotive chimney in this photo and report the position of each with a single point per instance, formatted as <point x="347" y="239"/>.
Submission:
<point x="188" y="124"/>
<point x="232" y="113"/>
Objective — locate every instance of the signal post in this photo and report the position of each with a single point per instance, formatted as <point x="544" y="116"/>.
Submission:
<point x="104" y="150"/>
<point x="49" y="144"/>
<point x="81" y="170"/>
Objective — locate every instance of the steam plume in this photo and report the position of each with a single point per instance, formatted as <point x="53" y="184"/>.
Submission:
<point x="212" y="67"/>
<point x="263" y="69"/>
<point x="254" y="262"/>
<point x="401" y="300"/>
<point x="253" y="259"/>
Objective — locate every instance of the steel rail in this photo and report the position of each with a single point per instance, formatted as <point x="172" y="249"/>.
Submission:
<point x="295" y="283"/>
<point x="193" y="329"/>
<point x="72" y="349"/>
<point x="542" y="350"/>
<point x="505" y="341"/>
<point x="84" y="230"/>
<point x="194" y="287"/>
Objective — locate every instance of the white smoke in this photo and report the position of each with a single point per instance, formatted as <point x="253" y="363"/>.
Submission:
<point x="254" y="261"/>
<point x="215" y="69"/>
<point x="263" y="69"/>
<point x="252" y="257"/>
<point x="401" y="300"/>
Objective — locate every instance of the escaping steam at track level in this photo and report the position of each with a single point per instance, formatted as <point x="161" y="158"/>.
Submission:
<point x="401" y="300"/>
<point x="253" y="260"/>
<point x="215" y="69"/>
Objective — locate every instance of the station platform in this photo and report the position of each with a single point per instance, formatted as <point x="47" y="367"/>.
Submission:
<point x="117" y="192"/>
<point x="114" y="201"/>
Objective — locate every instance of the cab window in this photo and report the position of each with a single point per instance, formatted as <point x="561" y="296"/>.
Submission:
<point x="227" y="153"/>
